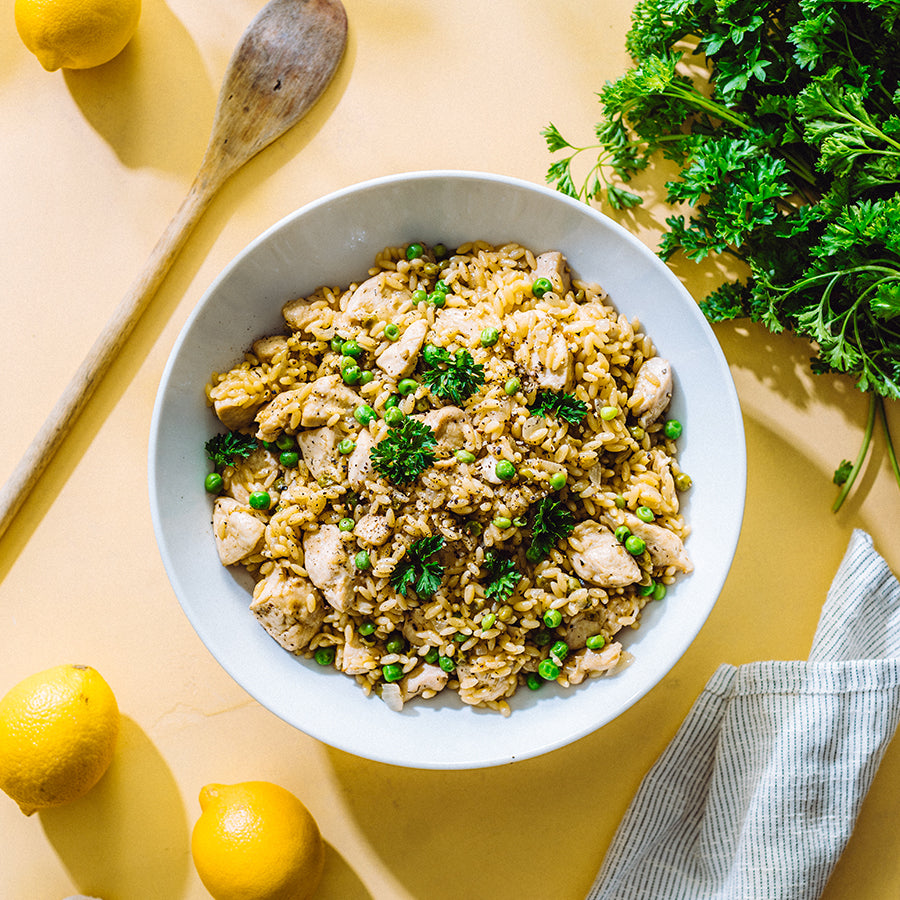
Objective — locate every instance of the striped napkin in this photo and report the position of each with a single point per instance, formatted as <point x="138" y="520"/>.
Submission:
<point x="759" y="790"/>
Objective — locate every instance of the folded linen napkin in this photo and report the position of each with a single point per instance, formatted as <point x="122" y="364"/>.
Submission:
<point x="759" y="790"/>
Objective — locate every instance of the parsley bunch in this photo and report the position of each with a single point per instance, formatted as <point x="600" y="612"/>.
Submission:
<point x="453" y="377"/>
<point x="553" y="521"/>
<point x="559" y="404"/>
<point x="503" y="574"/>
<point x="417" y="570"/>
<point x="789" y="160"/>
<point x="406" y="451"/>
<point x="223" y="449"/>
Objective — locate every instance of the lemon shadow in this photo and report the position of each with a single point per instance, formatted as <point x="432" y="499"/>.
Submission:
<point x="128" y="838"/>
<point x="339" y="879"/>
<point x="140" y="100"/>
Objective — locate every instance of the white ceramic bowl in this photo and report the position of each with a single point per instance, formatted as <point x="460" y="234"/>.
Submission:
<point x="333" y="241"/>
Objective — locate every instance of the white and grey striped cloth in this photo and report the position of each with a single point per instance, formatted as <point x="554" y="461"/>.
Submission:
<point x="759" y="790"/>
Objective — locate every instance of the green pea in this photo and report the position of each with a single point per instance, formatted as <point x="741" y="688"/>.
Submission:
<point x="414" y="251"/>
<point x="440" y="251"/>
<point x="362" y="561"/>
<point x="487" y="623"/>
<point x="464" y="456"/>
<point x="260" y="500"/>
<point x="289" y="459"/>
<point x="336" y="343"/>
<point x="559" y="651"/>
<point x="552" y="618"/>
<point x="433" y="355"/>
<point x="392" y="672"/>
<point x="512" y="386"/>
<point x="352" y="349"/>
<point x="446" y="663"/>
<point x="659" y="591"/>
<point x="505" y="470"/>
<point x="502" y="523"/>
<point x="407" y="386"/>
<point x="644" y="513"/>
<point x="285" y="442"/>
<point x="442" y="287"/>
<point x="595" y="642"/>
<point x="324" y="656"/>
<point x="347" y="524"/>
<point x="533" y="681"/>
<point x="438" y="299"/>
<point x="395" y="644"/>
<point x="394" y="416"/>
<point x="622" y="533"/>
<point x="366" y="628"/>
<point x="364" y="414"/>
<point x="391" y="331"/>
<point x="548" y="670"/>
<point x="683" y="482"/>
<point x="346" y="446"/>
<point x="419" y="295"/>
<point x="214" y="483"/>
<point x="635" y="545"/>
<point x="558" y="480"/>
<point x="351" y="374"/>
<point x="474" y="528"/>
<point x="489" y="337"/>
<point x="647" y="589"/>
<point x="506" y="614"/>
<point x="637" y="432"/>
<point x="520" y="521"/>
<point x="608" y="413"/>
<point x="541" y="286"/>
<point x="391" y="401"/>
<point x="430" y="268"/>
<point x="620" y="502"/>
<point x="543" y="637"/>
<point x="432" y="655"/>
<point x="672" y="429"/>
<point x="366" y="376"/>
<point x="460" y="638"/>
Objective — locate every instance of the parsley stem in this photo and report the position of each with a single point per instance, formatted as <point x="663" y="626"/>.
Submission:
<point x="863" y="450"/>
<point x="892" y="457"/>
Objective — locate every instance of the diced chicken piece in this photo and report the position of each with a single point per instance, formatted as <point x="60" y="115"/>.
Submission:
<point x="578" y="630"/>
<point x="652" y="390"/>
<point x="464" y="325"/>
<point x="552" y="266"/>
<point x="267" y="348"/>
<point x="544" y="354"/>
<point x="356" y="658"/>
<point x="479" y="682"/>
<point x="234" y="404"/>
<point x="318" y="447"/>
<point x="599" y="558"/>
<point x="329" y="395"/>
<point x="399" y="359"/>
<point x="664" y="546"/>
<point x="372" y="529"/>
<point x="281" y="412"/>
<point x="238" y="532"/>
<point x="328" y="565"/>
<point x="589" y="663"/>
<point x="486" y="469"/>
<point x="452" y="428"/>
<point x="392" y="697"/>
<point x="359" y="463"/>
<point x="416" y="628"/>
<point x="288" y="607"/>
<point x="374" y="299"/>
<point x="300" y="313"/>
<point x="426" y="678"/>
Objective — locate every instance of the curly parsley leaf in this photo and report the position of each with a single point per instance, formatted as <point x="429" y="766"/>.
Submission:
<point x="553" y="521"/>
<point x="405" y="453"/>
<point x="223" y="449"/>
<point x="416" y="570"/>
<point x="454" y="378"/>
<point x="503" y="574"/>
<point x="559" y="404"/>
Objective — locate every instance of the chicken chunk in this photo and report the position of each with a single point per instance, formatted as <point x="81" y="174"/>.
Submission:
<point x="545" y="353"/>
<point x="328" y="565"/>
<point x="359" y="463"/>
<point x="464" y="325"/>
<point x="267" y="348"/>
<point x="576" y="632"/>
<point x="452" y="429"/>
<point x="235" y="405"/>
<point x="288" y="607"/>
<point x="238" y="531"/>
<point x="329" y="395"/>
<point x="652" y="390"/>
<point x="375" y="299"/>
<point x="372" y="529"/>
<point x="318" y="447"/>
<point x="599" y="558"/>
<point x="552" y="266"/>
<point x="664" y="546"/>
<point x="300" y="314"/>
<point x="479" y="682"/>
<point x="356" y="658"/>
<point x="399" y="359"/>
<point x="424" y="679"/>
<point x="486" y="469"/>
<point x="588" y="663"/>
<point x="283" y="411"/>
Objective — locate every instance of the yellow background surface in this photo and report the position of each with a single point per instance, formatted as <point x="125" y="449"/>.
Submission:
<point x="93" y="165"/>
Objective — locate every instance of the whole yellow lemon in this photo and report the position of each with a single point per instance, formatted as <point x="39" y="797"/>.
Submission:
<point x="58" y="731"/>
<point x="256" y="841"/>
<point x="76" y="34"/>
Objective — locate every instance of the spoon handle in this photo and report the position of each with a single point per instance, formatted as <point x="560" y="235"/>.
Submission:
<point x="101" y="355"/>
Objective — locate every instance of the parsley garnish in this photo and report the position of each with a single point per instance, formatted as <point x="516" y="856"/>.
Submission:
<point x="787" y="150"/>
<point x="405" y="453"/>
<point x="553" y="520"/>
<point x="563" y="406"/>
<point x="503" y="574"/>
<point x="415" y="571"/>
<point x="454" y="377"/>
<point x="223" y="448"/>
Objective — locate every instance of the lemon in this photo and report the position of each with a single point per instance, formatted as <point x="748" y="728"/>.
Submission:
<point x="76" y="34"/>
<point x="58" y="731"/>
<point x="256" y="841"/>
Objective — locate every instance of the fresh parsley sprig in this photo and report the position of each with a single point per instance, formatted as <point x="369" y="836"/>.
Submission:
<point x="223" y="449"/>
<point x="503" y="574"/>
<point x="552" y="522"/>
<point x="417" y="570"/>
<point x="453" y="377"/>
<point x="559" y="404"/>
<point x="405" y="452"/>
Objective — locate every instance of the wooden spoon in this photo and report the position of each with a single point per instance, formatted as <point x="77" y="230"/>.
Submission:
<point x="284" y="61"/>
